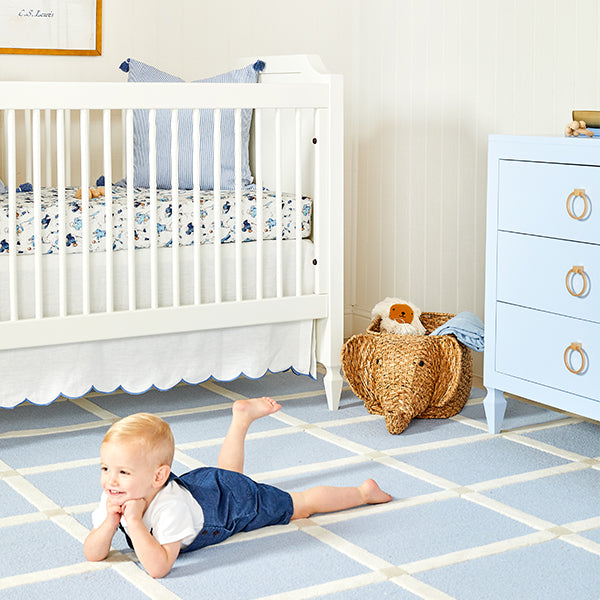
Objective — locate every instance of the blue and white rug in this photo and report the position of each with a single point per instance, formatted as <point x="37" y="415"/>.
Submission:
<point x="475" y="516"/>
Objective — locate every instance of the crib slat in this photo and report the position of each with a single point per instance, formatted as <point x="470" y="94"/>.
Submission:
<point x="106" y="122"/>
<point x="278" y="211"/>
<point x="62" y="241"/>
<point x="85" y="209"/>
<point x="28" y="146"/>
<point x="316" y="204"/>
<point x="68" y="178"/>
<point x="12" y="214"/>
<point x="130" y="211"/>
<point x="36" y="141"/>
<point x="48" y="123"/>
<point x="5" y="131"/>
<point x="153" y="213"/>
<point x="175" y="206"/>
<point x="298" y="204"/>
<point x="196" y="194"/>
<point x="217" y="202"/>
<point x="238" y="202"/>
<point x="124" y="139"/>
<point x="259" y="202"/>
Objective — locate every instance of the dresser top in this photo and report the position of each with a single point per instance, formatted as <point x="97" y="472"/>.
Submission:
<point x="581" y="150"/>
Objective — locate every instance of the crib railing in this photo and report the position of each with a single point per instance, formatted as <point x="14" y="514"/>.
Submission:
<point x="40" y="122"/>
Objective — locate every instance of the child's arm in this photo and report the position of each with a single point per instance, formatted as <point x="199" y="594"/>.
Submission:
<point x="97" y="543"/>
<point x="157" y="559"/>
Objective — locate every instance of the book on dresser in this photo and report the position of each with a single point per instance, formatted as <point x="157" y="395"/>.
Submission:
<point x="542" y="279"/>
<point x="591" y="117"/>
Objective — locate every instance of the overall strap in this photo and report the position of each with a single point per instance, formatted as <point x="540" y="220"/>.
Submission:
<point x="126" y="536"/>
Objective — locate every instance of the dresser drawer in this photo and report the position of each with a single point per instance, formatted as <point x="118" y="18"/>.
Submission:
<point x="531" y="345"/>
<point x="538" y="272"/>
<point x="535" y="197"/>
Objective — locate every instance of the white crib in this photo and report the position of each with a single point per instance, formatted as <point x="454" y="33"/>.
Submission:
<point x="191" y="300"/>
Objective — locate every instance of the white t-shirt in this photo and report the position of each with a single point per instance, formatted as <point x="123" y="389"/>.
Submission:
<point x="173" y="515"/>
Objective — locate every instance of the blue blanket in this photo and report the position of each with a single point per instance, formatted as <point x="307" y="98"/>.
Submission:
<point x="467" y="327"/>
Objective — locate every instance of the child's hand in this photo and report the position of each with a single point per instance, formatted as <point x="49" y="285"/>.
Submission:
<point x="133" y="510"/>
<point x="97" y="543"/>
<point x="114" y="512"/>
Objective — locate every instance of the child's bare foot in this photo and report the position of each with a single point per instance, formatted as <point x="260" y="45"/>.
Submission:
<point x="254" y="408"/>
<point x="372" y="493"/>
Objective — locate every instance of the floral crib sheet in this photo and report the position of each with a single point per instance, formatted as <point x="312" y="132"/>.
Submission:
<point x="74" y="224"/>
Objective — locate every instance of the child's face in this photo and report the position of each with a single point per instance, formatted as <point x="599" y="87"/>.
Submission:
<point x="128" y="472"/>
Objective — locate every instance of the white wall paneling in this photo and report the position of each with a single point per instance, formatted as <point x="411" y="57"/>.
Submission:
<point x="426" y="81"/>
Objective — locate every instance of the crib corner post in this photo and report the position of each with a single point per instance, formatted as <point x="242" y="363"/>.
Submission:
<point x="333" y="382"/>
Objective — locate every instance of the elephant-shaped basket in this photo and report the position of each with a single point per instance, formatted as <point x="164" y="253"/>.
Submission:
<point x="406" y="376"/>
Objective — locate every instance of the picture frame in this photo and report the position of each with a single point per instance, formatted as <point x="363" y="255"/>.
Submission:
<point x="60" y="27"/>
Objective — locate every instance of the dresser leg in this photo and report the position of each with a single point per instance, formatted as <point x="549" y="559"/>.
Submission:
<point x="494" y="404"/>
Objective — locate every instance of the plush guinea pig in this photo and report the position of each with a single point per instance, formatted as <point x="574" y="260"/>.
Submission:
<point x="398" y="316"/>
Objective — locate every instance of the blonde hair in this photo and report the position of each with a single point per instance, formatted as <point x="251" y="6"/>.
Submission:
<point x="149" y="431"/>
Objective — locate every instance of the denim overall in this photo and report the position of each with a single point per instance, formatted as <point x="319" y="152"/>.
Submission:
<point x="232" y="502"/>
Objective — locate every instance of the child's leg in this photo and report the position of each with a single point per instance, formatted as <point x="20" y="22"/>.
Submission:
<point x="322" y="499"/>
<point x="231" y="456"/>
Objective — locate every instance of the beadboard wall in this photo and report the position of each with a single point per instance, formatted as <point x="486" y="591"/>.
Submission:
<point x="435" y="79"/>
<point x="426" y="81"/>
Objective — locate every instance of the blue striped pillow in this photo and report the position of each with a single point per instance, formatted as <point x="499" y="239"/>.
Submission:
<point x="141" y="72"/>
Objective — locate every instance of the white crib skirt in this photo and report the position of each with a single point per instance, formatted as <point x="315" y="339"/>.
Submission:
<point x="135" y="365"/>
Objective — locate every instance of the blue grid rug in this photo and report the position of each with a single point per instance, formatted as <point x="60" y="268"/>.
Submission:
<point x="475" y="516"/>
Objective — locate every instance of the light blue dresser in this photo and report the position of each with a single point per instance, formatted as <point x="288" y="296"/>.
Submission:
<point x="542" y="289"/>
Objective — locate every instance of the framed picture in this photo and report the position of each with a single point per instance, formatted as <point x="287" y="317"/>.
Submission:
<point x="51" y="27"/>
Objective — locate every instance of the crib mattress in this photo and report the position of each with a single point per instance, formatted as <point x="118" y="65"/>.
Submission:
<point x="25" y="278"/>
<point x="25" y="221"/>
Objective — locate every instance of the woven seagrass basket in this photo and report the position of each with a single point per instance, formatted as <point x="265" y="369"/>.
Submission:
<point x="409" y="376"/>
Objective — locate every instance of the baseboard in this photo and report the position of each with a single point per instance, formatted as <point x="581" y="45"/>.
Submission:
<point x="359" y="320"/>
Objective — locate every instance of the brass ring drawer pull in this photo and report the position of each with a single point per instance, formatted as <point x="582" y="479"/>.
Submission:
<point x="586" y="205"/>
<point x="576" y="270"/>
<point x="574" y="347"/>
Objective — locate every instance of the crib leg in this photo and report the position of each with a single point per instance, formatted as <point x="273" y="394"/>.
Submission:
<point x="333" y="382"/>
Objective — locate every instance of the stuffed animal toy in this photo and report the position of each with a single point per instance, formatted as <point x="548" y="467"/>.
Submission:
<point x="576" y="128"/>
<point x="93" y="192"/>
<point x="398" y="316"/>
